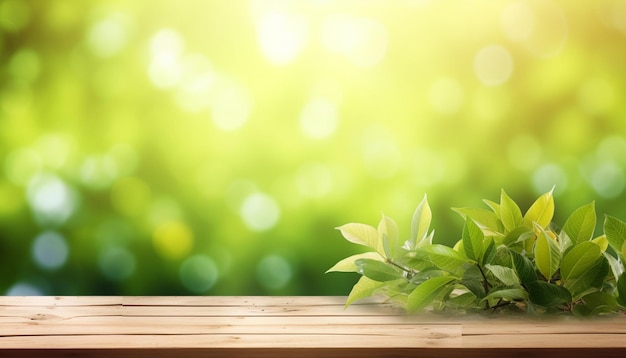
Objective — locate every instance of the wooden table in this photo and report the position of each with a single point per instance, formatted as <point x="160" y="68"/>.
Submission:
<point x="298" y="327"/>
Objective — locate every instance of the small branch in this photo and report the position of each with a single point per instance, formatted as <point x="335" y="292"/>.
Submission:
<point x="405" y="269"/>
<point x="486" y="284"/>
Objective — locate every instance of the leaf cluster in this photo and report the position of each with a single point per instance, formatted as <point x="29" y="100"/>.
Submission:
<point x="504" y="260"/>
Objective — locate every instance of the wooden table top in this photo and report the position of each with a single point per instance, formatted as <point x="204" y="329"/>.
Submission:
<point x="243" y="326"/>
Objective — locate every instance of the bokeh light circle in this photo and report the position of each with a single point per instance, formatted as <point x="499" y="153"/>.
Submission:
<point x="199" y="273"/>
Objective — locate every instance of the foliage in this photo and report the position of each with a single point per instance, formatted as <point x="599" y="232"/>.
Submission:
<point x="504" y="260"/>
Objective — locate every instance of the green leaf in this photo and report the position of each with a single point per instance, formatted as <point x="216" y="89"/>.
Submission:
<point x="595" y="303"/>
<point x="510" y="213"/>
<point x="505" y="274"/>
<point x="547" y="295"/>
<point x="444" y="257"/>
<point x="616" y="267"/>
<point x="472" y="240"/>
<point x="564" y="241"/>
<point x="602" y="242"/>
<point x="490" y="251"/>
<point x="464" y="300"/>
<point x="624" y="251"/>
<point x="509" y="294"/>
<point x="361" y="234"/>
<point x="472" y="279"/>
<point x="547" y="254"/>
<point x="621" y="290"/>
<point x="378" y="270"/>
<point x="425" y="293"/>
<point x="420" y="222"/>
<point x="494" y="206"/>
<point x="541" y="211"/>
<point x="523" y="267"/>
<point x="518" y="234"/>
<point x="487" y="220"/>
<point x="590" y="281"/>
<point x="363" y="288"/>
<point x="615" y="231"/>
<point x="348" y="264"/>
<point x="388" y="235"/>
<point x="579" y="260"/>
<point x="581" y="223"/>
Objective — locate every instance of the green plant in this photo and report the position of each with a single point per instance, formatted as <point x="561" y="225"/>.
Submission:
<point x="503" y="261"/>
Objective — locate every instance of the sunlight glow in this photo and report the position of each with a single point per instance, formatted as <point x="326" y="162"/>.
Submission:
<point x="51" y="199"/>
<point x="166" y="49"/>
<point x="260" y="212"/>
<point x="319" y="118"/>
<point x="540" y="26"/>
<point x="231" y="105"/>
<point x="282" y="36"/>
<point x="363" y="41"/>
<point x="446" y="96"/>
<point x="109" y="36"/>
<point x="493" y="65"/>
<point x="314" y="180"/>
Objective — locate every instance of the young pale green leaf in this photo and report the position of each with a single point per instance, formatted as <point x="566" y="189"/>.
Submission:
<point x="420" y="222"/>
<point x="564" y="241"/>
<point x="487" y="220"/>
<point x="601" y="242"/>
<point x="494" y="206"/>
<point x="547" y="295"/>
<point x="624" y="251"/>
<point x="510" y="213"/>
<point x="615" y="231"/>
<point x="444" y="257"/>
<point x="389" y="236"/>
<point x="472" y="238"/>
<point x="541" y="211"/>
<point x="579" y="260"/>
<point x="621" y="290"/>
<point x="349" y="263"/>
<point x="506" y="275"/>
<point x="523" y="267"/>
<point x="616" y="267"/>
<point x="361" y="234"/>
<point x="363" y="288"/>
<point x="581" y="223"/>
<point x="508" y="294"/>
<point x="378" y="270"/>
<point x="426" y="292"/>
<point x="547" y="254"/>
<point x="590" y="281"/>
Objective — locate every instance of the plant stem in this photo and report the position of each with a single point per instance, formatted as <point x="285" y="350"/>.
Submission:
<point x="486" y="284"/>
<point x="405" y="269"/>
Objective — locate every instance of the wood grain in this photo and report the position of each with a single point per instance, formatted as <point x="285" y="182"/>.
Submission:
<point x="280" y="326"/>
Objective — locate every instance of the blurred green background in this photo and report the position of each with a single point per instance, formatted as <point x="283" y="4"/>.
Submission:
<point x="210" y="147"/>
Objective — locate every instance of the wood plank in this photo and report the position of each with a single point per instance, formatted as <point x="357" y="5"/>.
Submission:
<point x="181" y="326"/>
<point x="281" y="326"/>
<point x="371" y="352"/>
<point x="37" y="301"/>
<point x="238" y="341"/>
